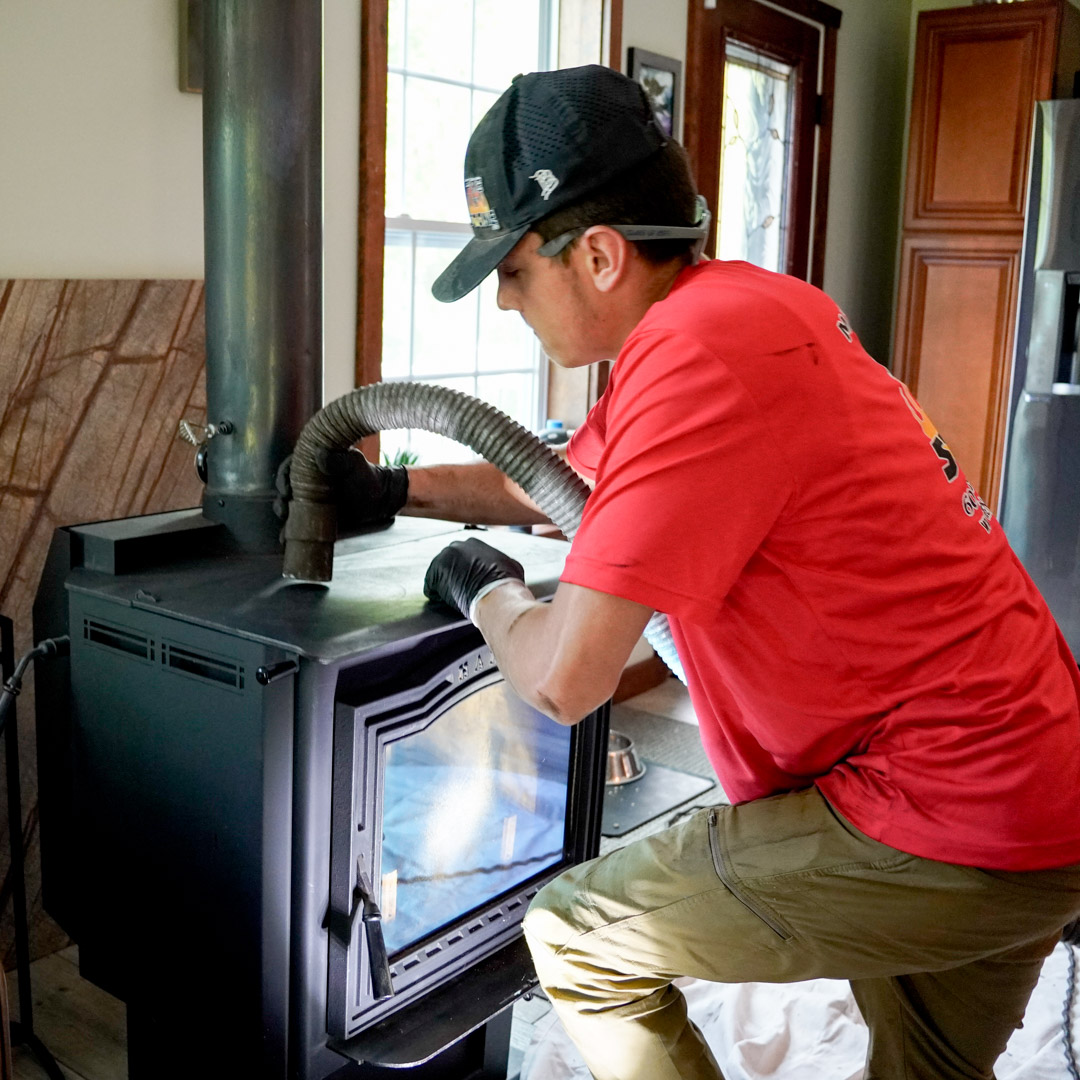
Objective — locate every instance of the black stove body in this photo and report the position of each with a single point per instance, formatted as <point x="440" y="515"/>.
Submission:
<point x="244" y="779"/>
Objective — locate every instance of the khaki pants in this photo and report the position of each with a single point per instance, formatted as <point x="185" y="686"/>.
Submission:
<point x="941" y="958"/>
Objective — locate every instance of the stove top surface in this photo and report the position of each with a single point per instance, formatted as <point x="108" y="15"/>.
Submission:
<point x="376" y="597"/>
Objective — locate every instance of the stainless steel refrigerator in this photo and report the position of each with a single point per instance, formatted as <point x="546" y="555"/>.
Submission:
<point x="1040" y="506"/>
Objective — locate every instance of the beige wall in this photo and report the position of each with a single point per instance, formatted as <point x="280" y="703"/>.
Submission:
<point x="659" y="27"/>
<point x="101" y="154"/>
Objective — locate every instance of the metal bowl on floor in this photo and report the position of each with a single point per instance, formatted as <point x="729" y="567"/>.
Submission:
<point x="623" y="764"/>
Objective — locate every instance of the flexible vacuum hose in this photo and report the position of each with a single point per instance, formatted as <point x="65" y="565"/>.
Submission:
<point x="311" y="528"/>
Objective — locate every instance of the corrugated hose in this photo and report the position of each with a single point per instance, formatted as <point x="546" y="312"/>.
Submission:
<point x="311" y="528"/>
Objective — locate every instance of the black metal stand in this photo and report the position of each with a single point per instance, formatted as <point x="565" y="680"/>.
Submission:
<point x="22" y="1032"/>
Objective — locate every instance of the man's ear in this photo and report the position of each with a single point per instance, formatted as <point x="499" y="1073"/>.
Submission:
<point x="606" y="256"/>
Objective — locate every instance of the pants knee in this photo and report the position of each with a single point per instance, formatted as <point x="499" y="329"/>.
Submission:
<point x="555" y="918"/>
<point x="545" y="927"/>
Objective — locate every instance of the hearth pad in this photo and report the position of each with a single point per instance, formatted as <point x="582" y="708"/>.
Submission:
<point x="626" y="806"/>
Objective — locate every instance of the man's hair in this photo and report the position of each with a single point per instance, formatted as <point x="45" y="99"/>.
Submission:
<point x="660" y="191"/>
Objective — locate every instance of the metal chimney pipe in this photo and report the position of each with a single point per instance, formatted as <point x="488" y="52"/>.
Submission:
<point x="263" y="201"/>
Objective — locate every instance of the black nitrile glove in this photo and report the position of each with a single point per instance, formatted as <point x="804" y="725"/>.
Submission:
<point x="466" y="571"/>
<point x="365" y="494"/>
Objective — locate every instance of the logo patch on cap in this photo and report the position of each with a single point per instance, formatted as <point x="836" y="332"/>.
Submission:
<point x="480" y="213"/>
<point x="547" y="180"/>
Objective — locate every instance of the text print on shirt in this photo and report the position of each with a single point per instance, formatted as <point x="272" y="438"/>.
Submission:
<point x="970" y="500"/>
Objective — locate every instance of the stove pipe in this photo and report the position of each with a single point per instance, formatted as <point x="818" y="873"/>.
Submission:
<point x="262" y="161"/>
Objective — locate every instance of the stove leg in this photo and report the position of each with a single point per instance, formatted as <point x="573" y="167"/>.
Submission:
<point x="496" y="1046"/>
<point x="180" y="1047"/>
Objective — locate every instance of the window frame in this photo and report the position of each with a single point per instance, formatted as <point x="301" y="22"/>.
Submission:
<point x="588" y="30"/>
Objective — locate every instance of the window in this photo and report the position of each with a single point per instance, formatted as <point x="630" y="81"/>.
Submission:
<point x="446" y="65"/>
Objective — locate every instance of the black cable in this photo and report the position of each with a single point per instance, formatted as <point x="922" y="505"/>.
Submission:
<point x="22" y="1031"/>
<point x="1066" y="1016"/>
<point x="58" y="646"/>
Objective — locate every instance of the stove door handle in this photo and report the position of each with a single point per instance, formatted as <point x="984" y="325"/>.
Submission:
<point x="382" y="986"/>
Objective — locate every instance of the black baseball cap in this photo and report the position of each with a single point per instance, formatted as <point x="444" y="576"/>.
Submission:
<point x="551" y="139"/>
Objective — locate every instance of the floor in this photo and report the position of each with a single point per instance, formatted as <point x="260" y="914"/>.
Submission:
<point x="84" y="1028"/>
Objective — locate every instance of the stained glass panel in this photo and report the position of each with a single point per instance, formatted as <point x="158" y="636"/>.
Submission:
<point x="755" y="158"/>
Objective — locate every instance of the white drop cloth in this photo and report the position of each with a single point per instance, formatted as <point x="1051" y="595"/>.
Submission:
<point x="812" y="1031"/>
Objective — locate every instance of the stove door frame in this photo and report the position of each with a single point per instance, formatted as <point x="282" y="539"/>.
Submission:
<point x="437" y="961"/>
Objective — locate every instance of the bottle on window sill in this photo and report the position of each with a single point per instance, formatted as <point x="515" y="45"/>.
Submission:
<point x="555" y="435"/>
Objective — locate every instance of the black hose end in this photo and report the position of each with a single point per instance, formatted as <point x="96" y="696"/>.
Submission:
<point x="310" y="532"/>
<point x="308" y="560"/>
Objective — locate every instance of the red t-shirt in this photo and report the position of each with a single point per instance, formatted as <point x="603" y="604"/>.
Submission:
<point x="848" y="612"/>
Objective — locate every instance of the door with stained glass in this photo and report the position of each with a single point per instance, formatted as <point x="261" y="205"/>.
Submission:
<point x="755" y="104"/>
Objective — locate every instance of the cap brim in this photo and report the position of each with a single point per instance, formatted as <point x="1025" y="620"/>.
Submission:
<point x="473" y="263"/>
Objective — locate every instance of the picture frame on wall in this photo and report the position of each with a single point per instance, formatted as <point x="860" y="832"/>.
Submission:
<point x="660" y="76"/>
<point x="191" y="46"/>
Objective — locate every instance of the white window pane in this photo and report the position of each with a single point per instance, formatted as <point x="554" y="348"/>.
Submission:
<point x="397" y="304"/>
<point x="395" y="119"/>
<point x="432" y="449"/>
<point x="440" y="39"/>
<point x="507" y="41"/>
<point x="481" y="44"/>
<point x="437" y="129"/>
<point x="436" y="450"/>
<point x="510" y="393"/>
<point x="395" y="43"/>
<point x="505" y="341"/>
<point x="393" y="444"/>
<point x="481" y="102"/>
<point x="444" y="335"/>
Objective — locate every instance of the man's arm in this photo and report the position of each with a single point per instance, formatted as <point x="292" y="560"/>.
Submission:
<point x="564" y="657"/>
<point x="479" y="494"/>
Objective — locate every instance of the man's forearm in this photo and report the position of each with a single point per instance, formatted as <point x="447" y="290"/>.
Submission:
<point x="563" y="657"/>
<point x="523" y="635"/>
<point x="479" y="494"/>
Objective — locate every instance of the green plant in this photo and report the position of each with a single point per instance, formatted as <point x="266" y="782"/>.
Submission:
<point x="402" y="457"/>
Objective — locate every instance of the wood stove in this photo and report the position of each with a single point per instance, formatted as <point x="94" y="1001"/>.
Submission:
<point x="244" y="779"/>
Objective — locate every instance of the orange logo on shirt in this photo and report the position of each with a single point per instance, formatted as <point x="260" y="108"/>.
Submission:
<point x="971" y="502"/>
<point x="948" y="462"/>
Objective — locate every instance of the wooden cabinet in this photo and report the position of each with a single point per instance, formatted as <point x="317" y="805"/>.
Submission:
<point x="978" y="73"/>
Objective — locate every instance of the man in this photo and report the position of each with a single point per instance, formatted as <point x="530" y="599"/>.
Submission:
<point x="883" y="693"/>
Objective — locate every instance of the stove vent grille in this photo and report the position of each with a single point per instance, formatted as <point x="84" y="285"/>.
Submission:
<point x="118" y="638"/>
<point x="213" y="669"/>
<point x="183" y="659"/>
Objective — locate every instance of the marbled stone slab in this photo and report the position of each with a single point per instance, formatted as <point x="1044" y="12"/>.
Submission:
<point x="95" y="377"/>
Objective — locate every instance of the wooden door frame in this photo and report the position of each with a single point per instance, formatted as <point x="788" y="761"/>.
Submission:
<point x="699" y="138"/>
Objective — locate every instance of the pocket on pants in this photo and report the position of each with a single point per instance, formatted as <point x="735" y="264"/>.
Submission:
<point x="725" y="873"/>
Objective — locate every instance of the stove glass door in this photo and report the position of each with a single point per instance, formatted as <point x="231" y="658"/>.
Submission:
<point x="473" y="806"/>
